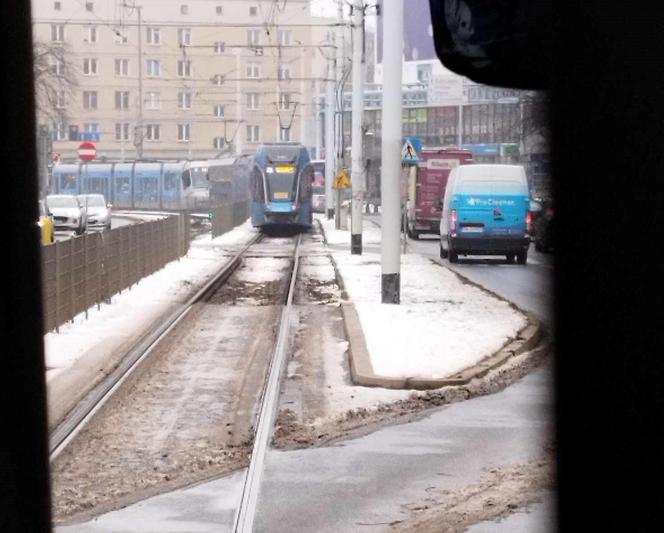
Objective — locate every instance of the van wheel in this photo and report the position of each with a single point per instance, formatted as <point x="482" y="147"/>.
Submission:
<point x="522" y="258"/>
<point x="443" y="252"/>
<point x="415" y="234"/>
<point x="510" y="259"/>
<point x="453" y="256"/>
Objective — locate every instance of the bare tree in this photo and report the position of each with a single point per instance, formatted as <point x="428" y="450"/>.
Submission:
<point x="55" y="79"/>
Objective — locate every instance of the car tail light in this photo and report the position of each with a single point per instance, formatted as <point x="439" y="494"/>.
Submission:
<point x="453" y="221"/>
<point x="529" y="223"/>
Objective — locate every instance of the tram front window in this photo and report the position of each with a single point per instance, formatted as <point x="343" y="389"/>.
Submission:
<point x="199" y="177"/>
<point x="281" y="183"/>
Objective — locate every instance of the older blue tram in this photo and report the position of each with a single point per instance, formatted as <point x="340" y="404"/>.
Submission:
<point x="281" y="186"/>
<point x="156" y="185"/>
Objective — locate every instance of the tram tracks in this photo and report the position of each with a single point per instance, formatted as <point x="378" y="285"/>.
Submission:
<point x="82" y="443"/>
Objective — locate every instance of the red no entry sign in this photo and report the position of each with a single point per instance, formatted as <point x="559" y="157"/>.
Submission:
<point x="87" y="151"/>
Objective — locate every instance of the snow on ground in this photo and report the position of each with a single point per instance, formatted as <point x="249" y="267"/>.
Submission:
<point x="141" y="304"/>
<point x="441" y="326"/>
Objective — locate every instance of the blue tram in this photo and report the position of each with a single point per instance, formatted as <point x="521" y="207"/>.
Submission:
<point x="281" y="186"/>
<point x="156" y="185"/>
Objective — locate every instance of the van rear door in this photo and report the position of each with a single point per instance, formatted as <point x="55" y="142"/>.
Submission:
<point x="490" y="208"/>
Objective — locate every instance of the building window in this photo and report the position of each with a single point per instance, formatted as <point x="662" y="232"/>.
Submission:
<point x="184" y="9"/>
<point x="184" y="132"/>
<point x="284" y="101"/>
<point x="122" y="131"/>
<point x="252" y="101"/>
<point x="284" y="72"/>
<point x="184" y="100"/>
<point x="57" y="33"/>
<point x="219" y="110"/>
<point x="57" y="6"/>
<point x="184" y="36"/>
<point x="253" y="11"/>
<point x="254" y="37"/>
<point x="424" y="73"/>
<point x="218" y="79"/>
<point x="220" y="10"/>
<point x="121" y="99"/>
<point x="253" y="134"/>
<point x="152" y="100"/>
<point x="89" y="99"/>
<point x="184" y="68"/>
<point x="152" y="132"/>
<point x="58" y="132"/>
<point x="253" y="70"/>
<point x="219" y="47"/>
<point x="285" y="37"/>
<point x="154" y="37"/>
<point x="218" y="143"/>
<point x="58" y="67"/>
<point x="91" y="127"/>
<point x="284" y="134"/>
<point x="153" y="67"/>
<point x="90" y="67"/>
<point x="90" y="34"/>
<point x="89" y="6"/>
<point x="122" y="67"/>
<point x="61" y="100"/>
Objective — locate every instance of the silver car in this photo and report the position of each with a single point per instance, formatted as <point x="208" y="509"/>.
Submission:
<point x="98" y="211"/>
<point x="68" y="213"/>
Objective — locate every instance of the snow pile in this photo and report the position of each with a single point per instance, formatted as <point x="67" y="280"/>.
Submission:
<point x="442" y="324"/>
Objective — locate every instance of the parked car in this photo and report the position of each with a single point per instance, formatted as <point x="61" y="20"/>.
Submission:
<point x="45" y="224"/>
<point x="68" y="213"/>
<point x="544" y="229"/>
<point x="98" y="211"/>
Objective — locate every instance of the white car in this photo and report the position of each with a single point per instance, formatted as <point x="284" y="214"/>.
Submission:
<point x="98" y="211"/>
<point x="68" y="214"/>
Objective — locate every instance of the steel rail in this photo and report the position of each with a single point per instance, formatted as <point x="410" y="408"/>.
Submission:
<point x="246" y="510"/>
<point x="97" y="397"/>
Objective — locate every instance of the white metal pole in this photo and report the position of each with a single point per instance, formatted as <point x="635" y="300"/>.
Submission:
<point x="339" y="103"/>
<point x="318" y="124"/>
<point x="391" y="150"/>
<point x="329" y="139"/>
<point x="357" y="167"/>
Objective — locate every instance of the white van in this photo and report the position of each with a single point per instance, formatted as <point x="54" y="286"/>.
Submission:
<point x="485" y="211"/>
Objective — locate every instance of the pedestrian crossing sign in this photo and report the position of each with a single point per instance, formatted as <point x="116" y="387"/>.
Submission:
<point x="341" y="180"/>
<point x="410" y="149"/>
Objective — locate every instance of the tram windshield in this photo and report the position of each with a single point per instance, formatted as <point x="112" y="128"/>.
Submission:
<point x="199" y="177"/>
<point x="280" y="182"/>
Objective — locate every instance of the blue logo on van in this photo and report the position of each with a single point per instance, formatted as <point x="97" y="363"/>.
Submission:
<point x="489" y="201"/>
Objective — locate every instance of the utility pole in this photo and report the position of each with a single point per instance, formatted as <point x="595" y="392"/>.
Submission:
<point x="329" y="136"/>
<point x="391" y="151"/>
<point x="138" y="132"/>
<point x="357" y="167"/>
<point x="339" y="104"/>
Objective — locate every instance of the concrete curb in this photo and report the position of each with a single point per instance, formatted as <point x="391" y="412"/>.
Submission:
<point x="362" y="371"/>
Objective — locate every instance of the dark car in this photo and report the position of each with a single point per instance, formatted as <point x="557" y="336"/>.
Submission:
<point x="543" y="226"/>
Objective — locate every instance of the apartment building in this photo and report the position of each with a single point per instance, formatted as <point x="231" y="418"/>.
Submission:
<point x="182" y="78"/>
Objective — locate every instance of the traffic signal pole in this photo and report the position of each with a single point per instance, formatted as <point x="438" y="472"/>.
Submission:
<point x="391" y="151"/>
<point x="357" y="168"/>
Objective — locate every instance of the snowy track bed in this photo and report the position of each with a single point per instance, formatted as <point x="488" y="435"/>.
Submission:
<point x="186" y="413"/>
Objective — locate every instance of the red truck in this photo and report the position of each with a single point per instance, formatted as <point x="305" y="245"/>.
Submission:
<point x="424" y="183"/>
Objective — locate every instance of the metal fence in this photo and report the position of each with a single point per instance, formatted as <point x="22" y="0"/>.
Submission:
<point x="84" y="271"/>
<point x="226" y="216"/>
